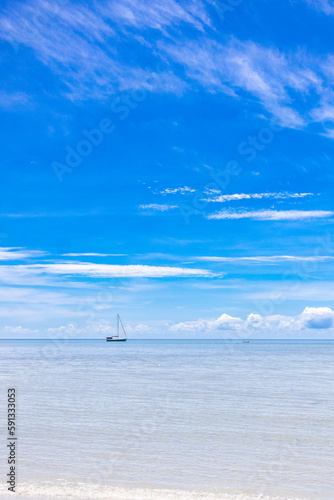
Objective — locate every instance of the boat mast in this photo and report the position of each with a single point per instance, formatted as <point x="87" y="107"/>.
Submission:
<point x="122" y="325"/>
<point x="117" y="325"/>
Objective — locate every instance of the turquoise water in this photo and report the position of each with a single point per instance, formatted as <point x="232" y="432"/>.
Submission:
<point x="171" y="419"/>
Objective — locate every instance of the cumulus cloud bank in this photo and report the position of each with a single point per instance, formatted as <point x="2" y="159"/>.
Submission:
<point x="319" y="318"/>
<point x="98" y="328"/>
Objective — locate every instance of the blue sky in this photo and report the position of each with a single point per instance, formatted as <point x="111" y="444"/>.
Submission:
<point x="168" y="161"/>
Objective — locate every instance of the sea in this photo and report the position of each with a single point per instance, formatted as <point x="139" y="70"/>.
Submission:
<point x="169" y="419"/>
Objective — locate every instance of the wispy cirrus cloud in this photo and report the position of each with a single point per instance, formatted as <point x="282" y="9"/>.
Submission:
<point x="160" y="15"/>
<point x="265" y="259"/>
<point x="92" y="270"/>
<point x="266" y="73"/>
<point x="18" y="253"/>
<point x="13" y="99"/>
<point x="257" y="196"/>
<point x="94" y="254"/>
<point x="325" y="6"/>
<point x="178" y="190"/>
<point x="37" y="215"/>
<point x="79" y="42"/>
<point x="271" y="214"/>
<point x="155" y="207"/>
<point x="82" y="45"/>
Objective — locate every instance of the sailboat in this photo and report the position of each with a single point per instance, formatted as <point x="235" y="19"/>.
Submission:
<point x="117" y="338"/>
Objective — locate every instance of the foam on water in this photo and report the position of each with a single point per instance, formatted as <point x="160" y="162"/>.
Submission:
<point x="85" y="491"/>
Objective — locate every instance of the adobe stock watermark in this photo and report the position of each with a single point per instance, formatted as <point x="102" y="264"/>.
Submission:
<point x="249" y="149"/>
<point x="121" y="109"/>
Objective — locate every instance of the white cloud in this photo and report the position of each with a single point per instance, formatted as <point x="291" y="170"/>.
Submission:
<point x="255" y="321"/>
<point x="80" y="44"/>
<point x="268" y="74"/>
<point x="243" y="196"/>
<point x="224" y="322"/>
<point x="159" y="14"/>
<point x="329" y="132"/>
<point x="141" y="328"/>
<point x="36" y="215"/>
<point x="317" y="317"/>
<point x="97" y="328"/>
<point x="32" y="296"/>
<point x="69" y="330"/>
<point x="19" y="330"/>
<point x="320" y="318"/>
<point x="179" y="190"/>
<point x="325" y="6"/>
<point x="266" y="259"/>
<point x="271" y="214"/>
<point x="15" y="253"/>
<point x="154" y="207"/>
<point x="110" y="270"/>
<point x="228" y="197"/>
<point x="211" y="191"/>
<point x="94" y="254"/>
<point x="13" y="99"/>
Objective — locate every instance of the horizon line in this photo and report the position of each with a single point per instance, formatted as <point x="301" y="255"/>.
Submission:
<point x="164" y="338"/>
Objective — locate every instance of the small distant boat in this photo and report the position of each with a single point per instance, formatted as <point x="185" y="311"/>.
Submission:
<point x="117" y="338"/>
<point x="245" y="341"/>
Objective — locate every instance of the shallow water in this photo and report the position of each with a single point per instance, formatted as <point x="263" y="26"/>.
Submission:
<point x="133" y="419"/>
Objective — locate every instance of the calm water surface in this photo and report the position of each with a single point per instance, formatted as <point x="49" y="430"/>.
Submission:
<point x="171" y="419"/>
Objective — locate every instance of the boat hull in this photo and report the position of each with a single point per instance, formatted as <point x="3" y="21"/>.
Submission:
<point x="110" y="339"/>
